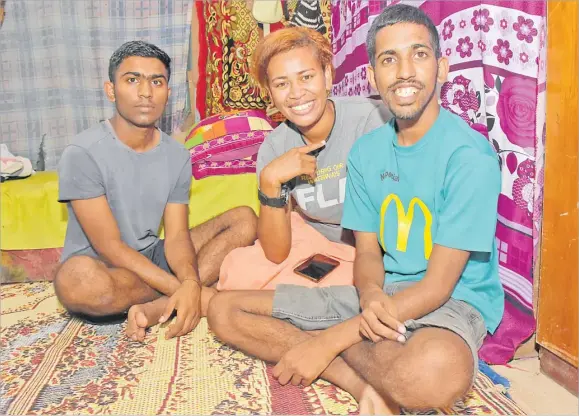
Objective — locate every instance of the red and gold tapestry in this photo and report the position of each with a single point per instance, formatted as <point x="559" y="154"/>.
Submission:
<point x="228" y="35"/>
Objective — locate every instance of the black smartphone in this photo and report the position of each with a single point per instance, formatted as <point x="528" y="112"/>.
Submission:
<point x="317" y="267"/>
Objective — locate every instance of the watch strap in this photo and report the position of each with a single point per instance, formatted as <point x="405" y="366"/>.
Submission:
<point x="274" y="202"/>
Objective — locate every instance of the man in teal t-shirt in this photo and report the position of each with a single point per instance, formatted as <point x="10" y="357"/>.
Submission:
<point x="441" y="190"/>
<point x="421" y="197"/>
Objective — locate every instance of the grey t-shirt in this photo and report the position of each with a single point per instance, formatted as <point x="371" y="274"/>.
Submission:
<point x="321" y="203"/>
<point x="137" y="186"/>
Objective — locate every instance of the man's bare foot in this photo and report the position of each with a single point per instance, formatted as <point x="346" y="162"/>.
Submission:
<point x="371" y="403"/>
<point x="144" y="316"/>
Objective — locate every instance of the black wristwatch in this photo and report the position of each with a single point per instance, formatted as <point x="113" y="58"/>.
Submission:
<point x="275" y="202"/>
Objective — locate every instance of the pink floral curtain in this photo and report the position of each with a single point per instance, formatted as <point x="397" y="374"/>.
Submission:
<point x="496" y="83"/>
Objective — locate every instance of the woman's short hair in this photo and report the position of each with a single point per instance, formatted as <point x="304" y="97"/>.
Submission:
<point x="284" y="40"/>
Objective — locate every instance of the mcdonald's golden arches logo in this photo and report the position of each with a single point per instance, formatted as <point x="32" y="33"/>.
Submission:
<point x="405" y="219"/>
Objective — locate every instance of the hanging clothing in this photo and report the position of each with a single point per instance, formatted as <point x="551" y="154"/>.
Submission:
<point x="309" y="14"/>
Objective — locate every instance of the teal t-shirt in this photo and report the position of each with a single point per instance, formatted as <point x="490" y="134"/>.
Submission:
<point x="442" y="190"/>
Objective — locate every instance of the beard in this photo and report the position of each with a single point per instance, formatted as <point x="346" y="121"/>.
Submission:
<point x="402" y="113"/>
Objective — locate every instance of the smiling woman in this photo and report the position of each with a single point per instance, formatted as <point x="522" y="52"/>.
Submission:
<point x="295" y="67"/>
<point x="304" y="158"/>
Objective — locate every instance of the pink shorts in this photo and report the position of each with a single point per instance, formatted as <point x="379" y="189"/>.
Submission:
<point x="247" y="268"/>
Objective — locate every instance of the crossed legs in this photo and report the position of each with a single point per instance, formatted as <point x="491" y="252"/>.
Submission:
<point x="432" y="369"/>
<point x="86" y="286"/>
<point x="243" y="319"/>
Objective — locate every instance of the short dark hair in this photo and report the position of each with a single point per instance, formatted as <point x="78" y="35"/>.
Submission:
<point x="137" y="48"/>
<point x="400" y="13"/>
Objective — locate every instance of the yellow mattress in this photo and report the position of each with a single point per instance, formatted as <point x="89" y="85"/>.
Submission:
<point x="32" y="217"/>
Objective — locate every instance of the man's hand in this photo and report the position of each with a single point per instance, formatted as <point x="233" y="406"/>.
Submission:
<point x="187" y="301"/>
<point x="304" y="363"/>
<point x="379" y="317"/>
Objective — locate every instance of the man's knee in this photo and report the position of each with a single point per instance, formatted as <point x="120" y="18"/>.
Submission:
<point x="81" y="288"/>
<point x="433" y="374"/>
<point x="244" y="220"/>
<point x="221" y="314"/>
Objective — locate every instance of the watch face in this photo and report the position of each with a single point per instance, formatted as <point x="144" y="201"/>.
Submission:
<point x="285" y="193"/>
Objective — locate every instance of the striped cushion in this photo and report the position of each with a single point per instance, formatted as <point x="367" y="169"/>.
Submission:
<point x="228" y="123"/>
<point x="227" y="144"/>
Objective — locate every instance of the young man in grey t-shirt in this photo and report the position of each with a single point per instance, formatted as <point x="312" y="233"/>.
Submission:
<point x="120" y="180"/>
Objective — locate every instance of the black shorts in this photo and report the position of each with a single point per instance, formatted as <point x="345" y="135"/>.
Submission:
<point x="155" y="253"/>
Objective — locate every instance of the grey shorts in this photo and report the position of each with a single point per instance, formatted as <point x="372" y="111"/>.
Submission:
<point x="322" y="307"/>
<point x="156" y="253"/>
